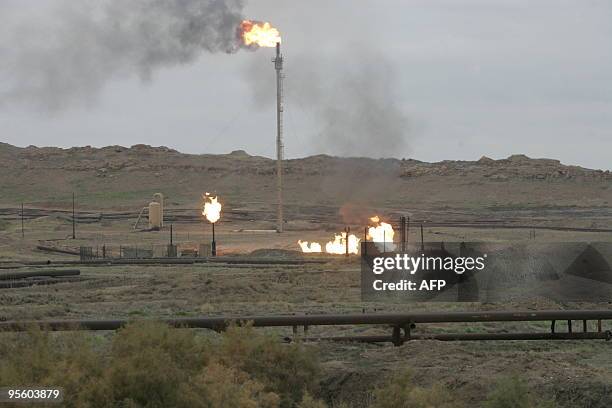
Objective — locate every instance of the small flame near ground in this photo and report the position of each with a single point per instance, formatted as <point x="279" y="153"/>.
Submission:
<point x="381" y="234"/>
<point x="310" y="248"/>
<point x="212" y="208"/>
<point x="257" y="33"/>
<point x="337" y="246"/>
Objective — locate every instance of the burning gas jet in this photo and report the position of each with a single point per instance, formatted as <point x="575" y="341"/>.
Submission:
<point x="212" y="208"/>
<point x="381" y="233"/>
<point x="260" y="34"/>
<point x="310" y="248"/>
<point x="337" y="246"/>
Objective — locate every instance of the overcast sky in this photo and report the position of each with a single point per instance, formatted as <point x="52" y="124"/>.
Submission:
<point x="430" y="80"/>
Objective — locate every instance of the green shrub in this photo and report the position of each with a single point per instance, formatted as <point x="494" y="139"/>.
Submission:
<point x="39" y="358"/>
<point x="220" y="386"/>
<point x="401" y="392"/>
<point x="151" y="365"/>
<point x="287" y="370"/>
<point x="512" y="392"/>
<point x="309" y="402"/>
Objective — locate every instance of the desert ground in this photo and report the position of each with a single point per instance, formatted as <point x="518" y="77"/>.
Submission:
<point x="514" y="199"/>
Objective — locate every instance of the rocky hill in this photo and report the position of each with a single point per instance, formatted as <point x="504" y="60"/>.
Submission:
<point x="117" y="177"/>
<point x="514" y="167"/>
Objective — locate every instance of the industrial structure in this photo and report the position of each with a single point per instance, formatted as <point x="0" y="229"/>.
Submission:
<point x="155" y="213"/>
<point x="278" y="66"/>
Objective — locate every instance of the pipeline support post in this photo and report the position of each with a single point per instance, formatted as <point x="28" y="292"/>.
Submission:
<point x="397" y="336"/>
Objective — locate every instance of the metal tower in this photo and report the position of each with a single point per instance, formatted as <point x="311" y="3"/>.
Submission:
<point x="278" y="65"/>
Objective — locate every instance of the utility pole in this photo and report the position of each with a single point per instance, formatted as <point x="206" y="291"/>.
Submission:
<point x="22" y="230"/>
<point x="347" y="231"/>
<point x="278" y="65"/>
<point x="422" y="240"/>
<point x="213" y="246"/>
<point x="73" y="218"/>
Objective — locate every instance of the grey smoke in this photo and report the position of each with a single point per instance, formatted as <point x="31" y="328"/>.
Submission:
<point x="67" y="55"/>
<point x="351" y="100"/>
<point x="359" y="112"/>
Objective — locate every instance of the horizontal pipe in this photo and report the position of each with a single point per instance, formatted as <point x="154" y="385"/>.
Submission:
<point x="56" y="250"/>
<point x="177" y="261"/>
<point x="394" y="319"/>
<point x="54" y="273"/>
<point x="23" y="283"/>
<point x="607" y="335"/>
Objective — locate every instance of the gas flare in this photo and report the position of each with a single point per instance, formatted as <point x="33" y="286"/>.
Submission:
<point x="313" y="247"/>
<point x="381" y="234"/>
<point x="212" y="208"/>
<point x="337" y="246"/>
<point x="259" y="34"/>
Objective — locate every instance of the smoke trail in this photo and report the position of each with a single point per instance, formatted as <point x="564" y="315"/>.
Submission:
<point x="359" y="111"/>
<point x="351" y="99"/>
<point x="67" y="55"/>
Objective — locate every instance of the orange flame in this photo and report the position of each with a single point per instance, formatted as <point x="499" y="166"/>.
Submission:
<point x="259" y="34"/>
<point x="212" y="208"/>
<point x="337" y="246"/>
<point x="313" y="247"/>
<point x="382" y="234"/>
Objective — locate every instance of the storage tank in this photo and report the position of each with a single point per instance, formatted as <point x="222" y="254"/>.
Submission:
<point x="155" y="215"/>
<point x="159" y="198"/>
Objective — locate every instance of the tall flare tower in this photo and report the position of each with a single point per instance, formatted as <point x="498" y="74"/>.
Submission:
<point x="278" y="65"/>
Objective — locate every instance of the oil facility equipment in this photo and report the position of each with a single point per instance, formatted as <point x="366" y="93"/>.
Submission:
<point x="155" y="217"/>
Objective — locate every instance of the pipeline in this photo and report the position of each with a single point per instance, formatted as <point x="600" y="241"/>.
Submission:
<point x="177" y="261"/>
<point x="397" y="320"/>
<point x="604" y="335"/>
<point x="24" y="283"/>
<point x="56" y="250"/>
<point x="52" y="273"/>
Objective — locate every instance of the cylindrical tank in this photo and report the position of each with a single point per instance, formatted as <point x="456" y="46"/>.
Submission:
<point x="159" y="198"/>
<point x="155" y="216"/>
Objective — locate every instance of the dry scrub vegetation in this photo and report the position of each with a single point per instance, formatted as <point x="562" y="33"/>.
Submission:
<point x="151" y="365"/>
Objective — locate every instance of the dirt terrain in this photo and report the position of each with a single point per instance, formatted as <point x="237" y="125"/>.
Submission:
<point x="485" y="200"/>
<point x="340" y="189"/>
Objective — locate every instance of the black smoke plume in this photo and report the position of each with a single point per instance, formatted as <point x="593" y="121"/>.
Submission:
<point x="66" y="55"/>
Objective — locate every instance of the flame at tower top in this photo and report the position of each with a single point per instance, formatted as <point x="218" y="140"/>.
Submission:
<point x="260" y="34"/>
<point x="212" y="208"/>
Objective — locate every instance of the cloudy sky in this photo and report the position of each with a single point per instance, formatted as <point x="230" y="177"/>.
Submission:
<point x="429" y="79"/>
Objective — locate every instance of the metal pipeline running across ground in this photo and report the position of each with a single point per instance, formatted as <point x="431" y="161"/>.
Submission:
<point x="398" y="322"/>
